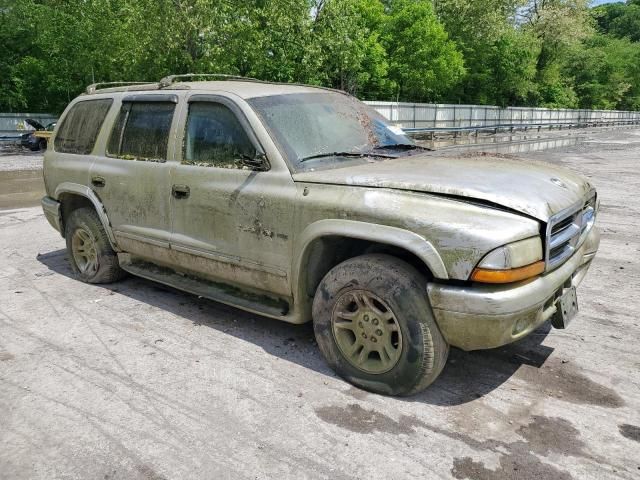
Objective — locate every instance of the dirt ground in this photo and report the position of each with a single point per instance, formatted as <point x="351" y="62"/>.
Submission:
<point x="138" y="381"/>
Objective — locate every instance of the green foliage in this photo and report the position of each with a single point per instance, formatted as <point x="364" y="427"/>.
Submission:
<point x="606" y="73"/>
<point x="619" y="19"/>
<point x="424" y="62"/>
<point x="507" y="52"/>
<point x="499" y="57"/>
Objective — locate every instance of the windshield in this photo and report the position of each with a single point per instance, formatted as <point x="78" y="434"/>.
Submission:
<point x="326" y="129"/>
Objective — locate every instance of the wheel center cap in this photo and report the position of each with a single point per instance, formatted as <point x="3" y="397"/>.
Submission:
<point x="370" y="327"/>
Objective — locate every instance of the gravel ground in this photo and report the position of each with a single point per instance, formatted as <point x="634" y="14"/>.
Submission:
<point x="16" y="158"/>
<point x="137" y="381"/>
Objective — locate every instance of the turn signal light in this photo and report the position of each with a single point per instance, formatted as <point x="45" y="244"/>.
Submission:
<point x="485" y="275"/>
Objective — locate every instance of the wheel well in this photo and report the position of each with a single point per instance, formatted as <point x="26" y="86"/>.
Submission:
<point x="70" y="202"/>
<point x="327" y="252"/>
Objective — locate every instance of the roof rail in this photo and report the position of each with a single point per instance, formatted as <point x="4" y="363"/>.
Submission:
<point x="171" y="79"/>
<point x="167" y="81"/>
<point x="98" y="86"/>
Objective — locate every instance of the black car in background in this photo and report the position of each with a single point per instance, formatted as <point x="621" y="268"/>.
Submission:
<point x="32" y="142"/>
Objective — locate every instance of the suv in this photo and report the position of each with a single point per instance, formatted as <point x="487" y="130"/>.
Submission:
<point x="300" y="203"/>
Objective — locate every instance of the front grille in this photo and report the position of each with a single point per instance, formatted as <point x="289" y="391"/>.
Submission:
<point x="567" y="230"/>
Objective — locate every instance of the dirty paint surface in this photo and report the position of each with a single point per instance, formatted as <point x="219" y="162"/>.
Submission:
<point x="258" y="229"/>
<point x="526" y="187"/>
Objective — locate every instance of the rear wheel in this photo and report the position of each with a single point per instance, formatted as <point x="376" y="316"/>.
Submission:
<point x="374" y="325"/>
<point x="90" y="254"/>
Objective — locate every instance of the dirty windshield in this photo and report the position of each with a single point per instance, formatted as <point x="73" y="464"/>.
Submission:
<point x="328" y="130"/>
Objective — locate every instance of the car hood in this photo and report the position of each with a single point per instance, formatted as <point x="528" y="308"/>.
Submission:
<point x="34" y="123"/>
<point x="534" y="188"/>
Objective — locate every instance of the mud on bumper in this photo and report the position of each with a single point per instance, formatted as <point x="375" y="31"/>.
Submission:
<point x="486" y="316"/>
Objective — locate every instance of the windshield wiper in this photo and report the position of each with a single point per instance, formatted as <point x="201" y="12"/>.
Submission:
<point x="403" y="146"/>
<point x="345" y="154"/>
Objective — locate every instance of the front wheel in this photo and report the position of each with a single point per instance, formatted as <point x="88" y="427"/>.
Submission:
<point x="374" y="325"/>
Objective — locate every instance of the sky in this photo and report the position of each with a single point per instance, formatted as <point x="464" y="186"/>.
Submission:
<point x="600" y="2"/>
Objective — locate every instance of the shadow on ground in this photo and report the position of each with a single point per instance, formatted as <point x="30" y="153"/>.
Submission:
<point x="467" y="376"/>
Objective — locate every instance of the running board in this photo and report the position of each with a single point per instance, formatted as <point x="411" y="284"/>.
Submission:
<point x="218" y="292"/>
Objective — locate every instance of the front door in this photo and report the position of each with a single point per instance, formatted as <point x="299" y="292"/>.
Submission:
<point x="230" y="223"/>
<point x="132" y="178"/>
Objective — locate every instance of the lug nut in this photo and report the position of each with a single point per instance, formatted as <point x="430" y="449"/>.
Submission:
<point x="364" y="335"/>
<point x="360" y="324"/>
<point x="366" y="318"/>
<point x="379" y="332"/>
<point x="374" y="339"/>
<point x="374" y="321"/>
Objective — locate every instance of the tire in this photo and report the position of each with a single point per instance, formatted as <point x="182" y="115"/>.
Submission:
<point x="411" y="352"/>
<point x="90" y="254"/>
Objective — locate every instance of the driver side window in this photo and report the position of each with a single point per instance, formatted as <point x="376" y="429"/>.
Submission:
<point x="214" y="137"/>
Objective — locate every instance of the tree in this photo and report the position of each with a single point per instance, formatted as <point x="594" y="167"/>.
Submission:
<point x="353" y="57"/>
<point x="505" y="52"/>
<point x="499" y="55"/>
<point x="424" y="63"/>
<point x="619" y="19"/>
<point x="559" y="26"/>
<point x="606" y="71"/>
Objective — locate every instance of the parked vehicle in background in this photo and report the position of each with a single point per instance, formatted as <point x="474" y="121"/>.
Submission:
<point x="32" y="140"/>
<point x="302" y="203"/>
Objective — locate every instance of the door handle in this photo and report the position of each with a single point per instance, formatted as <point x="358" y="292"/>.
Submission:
<point x="180" y="191"/>
<point x="98" y="181"/>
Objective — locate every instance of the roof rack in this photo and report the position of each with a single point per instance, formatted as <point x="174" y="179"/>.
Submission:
<point x="100" y="85"/>
<point x="167" y="81"/>
<point x="171" y="79"/>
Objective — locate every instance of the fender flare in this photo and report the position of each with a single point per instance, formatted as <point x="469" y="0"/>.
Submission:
<point x="84" y="191"/>
<point x="397" y="237"/>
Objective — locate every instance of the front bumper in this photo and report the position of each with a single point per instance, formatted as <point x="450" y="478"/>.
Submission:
<point x="486" y="316"/>
<point x="51" y="209"/>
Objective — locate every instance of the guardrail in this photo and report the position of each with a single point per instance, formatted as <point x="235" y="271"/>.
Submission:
<point x="428" y="117"/>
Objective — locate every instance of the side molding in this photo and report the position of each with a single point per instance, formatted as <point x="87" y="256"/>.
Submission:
<point x="84" y="191"/>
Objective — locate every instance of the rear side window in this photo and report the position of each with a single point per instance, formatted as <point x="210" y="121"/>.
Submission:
<point x="80" y="127"/>
<point x="142" y="131"/>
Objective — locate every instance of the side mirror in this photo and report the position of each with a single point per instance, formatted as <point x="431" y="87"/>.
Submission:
<point x="258" y="162"/>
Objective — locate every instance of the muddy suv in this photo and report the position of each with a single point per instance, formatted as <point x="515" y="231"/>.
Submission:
<point x="302" y="203"/>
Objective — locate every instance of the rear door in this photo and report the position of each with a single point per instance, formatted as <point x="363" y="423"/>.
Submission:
<point x="132" y="178"/>
<point x="230" y="223"/>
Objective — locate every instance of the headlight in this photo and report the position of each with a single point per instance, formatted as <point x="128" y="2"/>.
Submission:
<point x="511" y="263"/>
